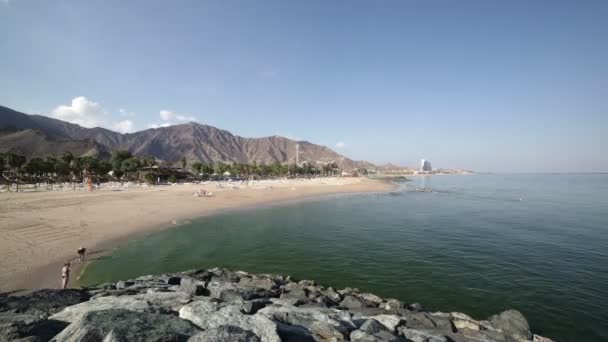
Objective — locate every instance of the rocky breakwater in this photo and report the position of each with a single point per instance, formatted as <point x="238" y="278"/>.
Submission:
<point x="222" y="305"/>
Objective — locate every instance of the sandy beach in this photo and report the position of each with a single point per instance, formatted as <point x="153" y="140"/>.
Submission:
<point x="41" y="230"/>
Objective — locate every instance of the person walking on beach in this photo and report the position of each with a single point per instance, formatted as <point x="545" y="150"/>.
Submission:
<point x="65" y="275"/>
<point x="82" y="253"/>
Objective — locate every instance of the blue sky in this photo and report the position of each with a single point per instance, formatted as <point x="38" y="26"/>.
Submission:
<point x="502" y="86"/>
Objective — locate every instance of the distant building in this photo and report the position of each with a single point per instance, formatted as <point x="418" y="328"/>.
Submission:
<point x="425" y="166"/>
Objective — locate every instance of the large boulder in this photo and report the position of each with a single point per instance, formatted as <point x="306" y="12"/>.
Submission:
<point x="372" y="330"/>
<point x="258" y="283"/>
<point x="353" y="302"/>
<point x="512" y="323"/>
<point x="424" y="320"/>
<point x="42" y="303"/>
<point x="29" y="328"/>
<point x="75" y="312"/>
<point x="421" y="336"/>
<point x="323" y="324"/>
<point x="125" y="325"/>
<point x="225" y="333"/>
<point x="192" y="287"/>
<point x="211" y="315"/>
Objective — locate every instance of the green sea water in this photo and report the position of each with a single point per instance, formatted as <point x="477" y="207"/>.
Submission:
<point x="477" y="244"/>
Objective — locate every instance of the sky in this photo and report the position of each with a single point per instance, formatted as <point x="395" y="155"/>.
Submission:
<point x="492" y="86"/>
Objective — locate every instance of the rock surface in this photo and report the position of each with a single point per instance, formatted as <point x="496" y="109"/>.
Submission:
<point x="221" y="305"/>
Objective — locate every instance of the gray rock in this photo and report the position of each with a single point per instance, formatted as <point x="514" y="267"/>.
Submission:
<point x="192" y="287"/>
<point x="415" y="307"/>
<point x="373" y="330"/>
<point x="392" y="306"/>
<point x="371" y="298"/>
<point x="352" y="302"/>
<point x="423" y="320"/>
<point x="28" y="328"/>
<point x="260" y="283"/>
<point x="391" y="322"/>
<point x="421" y="336"/>
<point x="123" y="284"/>
<point x="225" y="333"/>
<point x="157" y="302"/>
<point x="251" y="307"/>
<point x="323" y="324"/>
<point x="43" y="303"/>
<point x="172" y="280"/>
<point x="125" y="325"/>
<point x="333" y="295"/>
<point x="210" y="315"/>
<point x="512" y="323"/>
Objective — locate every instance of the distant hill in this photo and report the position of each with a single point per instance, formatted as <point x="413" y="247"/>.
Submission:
<point x="41" y="136"/>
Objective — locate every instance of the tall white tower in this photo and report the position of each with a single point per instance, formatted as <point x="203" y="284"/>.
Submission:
<point x="297" y="154"/>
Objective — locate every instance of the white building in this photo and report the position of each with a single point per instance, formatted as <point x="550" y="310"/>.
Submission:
<point x="425" y="166"/>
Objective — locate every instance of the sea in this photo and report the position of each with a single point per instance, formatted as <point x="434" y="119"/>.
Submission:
<point x="477" y="244"/>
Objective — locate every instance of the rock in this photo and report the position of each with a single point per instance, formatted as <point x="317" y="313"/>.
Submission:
<point x="366" y="312"/>
<point x="392" y="306"/>
<point x="391" y="322"/>
<point x="28" y="328"/>
<point x="172" y="280"/>
<point x="462" y="321"/>
<point x="251" y="307"/>
<point x="512" y="323"/>
<point x="538" y="338"/>
<point x="415" y="307"/>
<point x="421" y="336"/>
<point x="332" y="294"/>
<point x="225" y="333"/>
<point x="42" y="303"/>
<point x="323" y="324"/>
<point x="352" y="302"/>
<point x="138" y="303"/>
<point x="209" y="315"/>
<point x="306" y="283"/>
<point x="371" y="298"/>
<point x="260" y="283"/>
<point x="124" y="325"/>
<point x="124" y="284"/>
<point x="373" y="330"/>
<point x="192" y="287"/>
<point x="423" y="320"/>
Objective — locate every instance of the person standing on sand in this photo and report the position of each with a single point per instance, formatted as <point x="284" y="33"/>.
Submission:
<point x="65" y="275"/>
<point x="81" y="253"/>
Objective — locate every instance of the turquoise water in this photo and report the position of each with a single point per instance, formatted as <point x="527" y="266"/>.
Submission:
<point x="477" y="244"/>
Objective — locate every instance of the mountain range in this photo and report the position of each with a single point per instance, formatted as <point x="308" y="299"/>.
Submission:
<point x="42" y="136"/>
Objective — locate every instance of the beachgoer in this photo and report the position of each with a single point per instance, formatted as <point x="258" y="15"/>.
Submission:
<point x="65" y="275"/>
<point x="81" y="253"/>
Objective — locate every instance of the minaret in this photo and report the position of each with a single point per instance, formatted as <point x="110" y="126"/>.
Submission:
<point x="297" y="154"/>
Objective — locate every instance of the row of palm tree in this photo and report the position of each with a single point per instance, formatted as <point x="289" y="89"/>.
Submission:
<point x="123" y="165"/>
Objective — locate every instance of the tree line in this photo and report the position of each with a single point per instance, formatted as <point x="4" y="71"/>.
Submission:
<point x="123" y="165"/>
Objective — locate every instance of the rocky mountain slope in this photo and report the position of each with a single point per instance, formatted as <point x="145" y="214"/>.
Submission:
<point x="221" y="305"/>
<point x="23" y="133"/>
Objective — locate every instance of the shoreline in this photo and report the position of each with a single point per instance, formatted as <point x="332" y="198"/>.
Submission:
<point x="44" y="229"/>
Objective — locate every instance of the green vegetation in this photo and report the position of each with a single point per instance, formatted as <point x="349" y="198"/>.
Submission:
<point x="123" y="166"/>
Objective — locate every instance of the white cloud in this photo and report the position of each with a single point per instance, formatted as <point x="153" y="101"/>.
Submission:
<point x="167" y="115"/>
<point x="340" y="144"/>
<point x="88" y="113"/>
<point x="81" y="111"/>
<point x="125" y="126"/>
<point x="156" y="125"/>
<point x="124" y="112"/>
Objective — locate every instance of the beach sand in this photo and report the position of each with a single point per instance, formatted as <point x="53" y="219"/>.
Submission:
<point x="40" y="231"/>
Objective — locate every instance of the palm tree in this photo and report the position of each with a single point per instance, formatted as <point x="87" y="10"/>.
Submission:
<point x="184" y="163"/>
<point x="67" y="157"/>
<point x="15" y="162"/>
